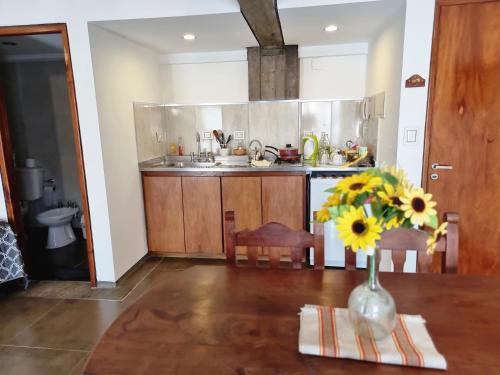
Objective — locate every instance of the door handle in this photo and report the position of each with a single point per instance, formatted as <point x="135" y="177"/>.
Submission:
<point x="440" y="166"/>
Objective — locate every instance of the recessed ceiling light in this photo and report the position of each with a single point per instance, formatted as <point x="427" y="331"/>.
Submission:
<point x="331" y="28"/>
<point x="189" y="36"/>
<point x="9" y="43"/>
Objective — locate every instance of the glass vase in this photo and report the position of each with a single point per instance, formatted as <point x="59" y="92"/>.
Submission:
<point x="372" y="310"/>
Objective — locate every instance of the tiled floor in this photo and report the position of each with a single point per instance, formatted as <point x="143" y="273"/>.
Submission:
<point x="52" y="327"/>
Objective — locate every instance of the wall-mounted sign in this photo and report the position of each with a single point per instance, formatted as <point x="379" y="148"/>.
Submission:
<point x="415" y="81"/>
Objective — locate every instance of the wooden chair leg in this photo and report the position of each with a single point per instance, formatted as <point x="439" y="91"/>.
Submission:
<point x="252" y="254"/>
<point x="274" y="257"/>
<point x="297" y="255"/>
<point x="319" y="246"/>
<point x="229" y="230"/>
<point x="398" y="259"/>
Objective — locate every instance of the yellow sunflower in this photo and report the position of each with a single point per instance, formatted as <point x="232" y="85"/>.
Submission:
<point x="392" y="195"/>
<point x="417" y="206"/>
<point x="433" y="239"/>
<point x="400" y="174"/>
<point x="358" y="184"/>
<point x="431" y="244"/>
<point x="358" y="231"/>
<point x="333" y="200"/>
<point x="393" y="223"/>
<point x="323" y="215"/>
<point x="442" y="229"/>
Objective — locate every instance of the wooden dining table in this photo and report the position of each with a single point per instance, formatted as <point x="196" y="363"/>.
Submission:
<point x="229" y="320"/>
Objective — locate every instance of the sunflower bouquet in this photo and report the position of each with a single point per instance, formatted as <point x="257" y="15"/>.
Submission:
<point x="366" y="204"/>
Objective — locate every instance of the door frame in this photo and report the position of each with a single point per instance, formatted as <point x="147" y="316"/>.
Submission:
<point x="432" y="80"/>
<point x="6" y="160"/>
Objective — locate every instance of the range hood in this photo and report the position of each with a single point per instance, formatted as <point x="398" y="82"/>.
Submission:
<point x="273" y="67"/>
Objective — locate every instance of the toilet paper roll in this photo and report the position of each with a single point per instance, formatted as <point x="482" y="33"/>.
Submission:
<point x="48" y="195"/>
<point x="30" y="163"/>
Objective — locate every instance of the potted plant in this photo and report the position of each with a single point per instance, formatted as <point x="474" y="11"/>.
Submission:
<point x="363" y="206"/>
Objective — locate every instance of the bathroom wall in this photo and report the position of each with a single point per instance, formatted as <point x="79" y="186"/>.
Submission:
<point x="40" y="123"/>
<point x="274" y="123"/>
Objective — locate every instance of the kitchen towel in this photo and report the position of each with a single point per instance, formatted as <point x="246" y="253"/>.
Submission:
<point x="326" y="331"/>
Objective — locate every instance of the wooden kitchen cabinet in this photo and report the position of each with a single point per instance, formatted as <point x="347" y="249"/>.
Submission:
<point x="243" y="196"/>
<point x="283" y="201"/>
<point x="201" y="198"/>
<point x="164" y="216"/>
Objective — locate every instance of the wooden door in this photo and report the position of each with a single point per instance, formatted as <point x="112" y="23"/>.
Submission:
<point x="201" y="197"/>
<point x="164" y="217"/>
<point x="283" y="201"/>
<point x="243" y="196"/>
<point x="463" y="129"/>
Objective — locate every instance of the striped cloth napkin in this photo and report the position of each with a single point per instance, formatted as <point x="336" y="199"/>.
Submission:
<point x="326" y="331"/>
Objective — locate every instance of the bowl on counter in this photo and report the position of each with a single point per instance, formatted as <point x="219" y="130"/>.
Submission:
<point x="224" y="151"/>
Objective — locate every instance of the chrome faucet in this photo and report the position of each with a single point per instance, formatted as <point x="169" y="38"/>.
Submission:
<point x="255" y="152"/>
<point x="198" y="145"/>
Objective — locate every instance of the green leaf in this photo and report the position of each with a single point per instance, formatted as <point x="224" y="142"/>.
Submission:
<point x="334" y="212"/>
<point x="432" y="221"/>
<point x="407" y="224"/>
<point x="390" y="178"/>
<point x="343" y="208"/>
<point x="376" y="208"/>
<point x="331" y="190"/>
<point x="361" y="199"/>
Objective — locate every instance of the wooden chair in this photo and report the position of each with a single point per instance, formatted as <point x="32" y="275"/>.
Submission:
<point x="401" y="239"/>
<point x="273" y="235"/>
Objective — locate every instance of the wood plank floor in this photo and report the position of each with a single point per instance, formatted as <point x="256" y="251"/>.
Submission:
<point x="52" y="327"/>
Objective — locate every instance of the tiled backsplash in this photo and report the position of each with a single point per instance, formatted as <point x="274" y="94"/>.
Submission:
<point x="274" y="123"/>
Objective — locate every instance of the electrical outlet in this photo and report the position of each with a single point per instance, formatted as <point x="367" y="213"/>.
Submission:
<point x="239" y="134"/>
<point x="308" y="133"/>
<point x="410" y="135"/>
<point x="207" y="135"/>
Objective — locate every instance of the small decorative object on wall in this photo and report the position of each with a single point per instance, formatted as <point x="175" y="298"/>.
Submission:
<point x="363" y="206"/>
<point x="415" y="81"/>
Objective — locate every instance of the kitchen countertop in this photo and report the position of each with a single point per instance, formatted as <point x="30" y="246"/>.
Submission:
<point x="227" y="165"/>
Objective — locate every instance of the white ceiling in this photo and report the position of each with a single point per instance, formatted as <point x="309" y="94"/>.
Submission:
<point x="222" y="32"/>
<point x="42" y="44"/>
<point x="356" y="22"/>
<point x="215" y="32"/>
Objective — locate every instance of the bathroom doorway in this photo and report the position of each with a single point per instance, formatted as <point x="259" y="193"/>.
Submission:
<point x="41" y="162"/>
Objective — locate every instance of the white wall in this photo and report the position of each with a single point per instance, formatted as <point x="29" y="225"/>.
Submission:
<point x="384" y="65"/>
<point x="333" y="77"/>
<point x="413" y="102"/>
<point x="326" y="72"/>
<point x="123" y="72"/>
<point x="212" y="82"/>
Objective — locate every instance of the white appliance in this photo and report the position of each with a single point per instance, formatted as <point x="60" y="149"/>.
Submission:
<point x="334" y="248"/>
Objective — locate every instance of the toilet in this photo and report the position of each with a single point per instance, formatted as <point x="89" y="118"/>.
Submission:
<point x="59" y="222"/>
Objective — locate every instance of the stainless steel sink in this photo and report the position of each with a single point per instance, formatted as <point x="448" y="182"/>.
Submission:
<point x="184" y="164"/>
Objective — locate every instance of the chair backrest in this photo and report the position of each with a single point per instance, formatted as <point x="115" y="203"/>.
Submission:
<point x="275" y="235"/>
<point x="401" y="239"/>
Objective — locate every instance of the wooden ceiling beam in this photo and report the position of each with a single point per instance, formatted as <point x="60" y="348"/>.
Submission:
<point x="263" y="19"/>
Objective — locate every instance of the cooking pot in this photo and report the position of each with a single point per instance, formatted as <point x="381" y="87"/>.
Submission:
<point x="288" y="153"/>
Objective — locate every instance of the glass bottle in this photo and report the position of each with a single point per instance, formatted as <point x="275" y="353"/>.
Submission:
<point x="324" y="148"/>
<point x="180" y="146"/>
<point x="372" y="310"/>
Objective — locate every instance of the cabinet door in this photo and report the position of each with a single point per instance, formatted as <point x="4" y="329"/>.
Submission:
<point x="283" y="201"/>
<point x="201" y="197"/>
<point x="243" y="196"/>
<point x="163" y="205"/>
